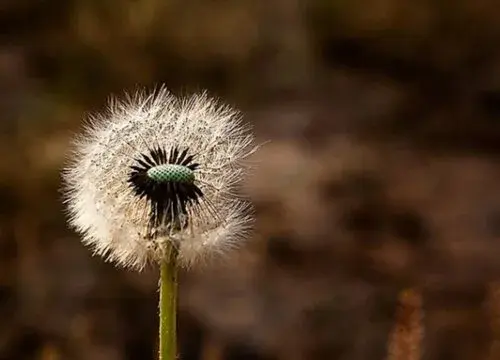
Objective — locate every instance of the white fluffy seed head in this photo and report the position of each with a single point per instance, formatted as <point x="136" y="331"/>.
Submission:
<point x="115" y="222"/>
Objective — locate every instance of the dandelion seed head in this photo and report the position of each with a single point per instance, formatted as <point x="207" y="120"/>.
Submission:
<point x="157" y="172"/>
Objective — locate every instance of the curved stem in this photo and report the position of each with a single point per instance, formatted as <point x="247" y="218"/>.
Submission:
<point x="168" y="310"/>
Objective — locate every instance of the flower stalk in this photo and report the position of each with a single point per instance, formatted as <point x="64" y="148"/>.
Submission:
<point x="168" y="309"/>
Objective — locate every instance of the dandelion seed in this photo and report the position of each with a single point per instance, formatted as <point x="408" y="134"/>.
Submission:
<point x="157" y="173"/>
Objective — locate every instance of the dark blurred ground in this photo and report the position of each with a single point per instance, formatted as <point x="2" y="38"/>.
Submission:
<point x="378" y="203"/>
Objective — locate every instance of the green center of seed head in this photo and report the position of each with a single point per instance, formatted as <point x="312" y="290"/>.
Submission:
<point x="171" y="173"/>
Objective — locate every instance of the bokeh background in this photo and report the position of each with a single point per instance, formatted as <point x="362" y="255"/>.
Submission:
<point x="377" y="198"/>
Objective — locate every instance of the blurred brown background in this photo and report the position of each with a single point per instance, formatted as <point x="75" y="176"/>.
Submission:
<point x="378" y="203"/>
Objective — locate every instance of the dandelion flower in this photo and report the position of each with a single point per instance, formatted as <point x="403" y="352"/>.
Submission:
<point x="158" y="173"/>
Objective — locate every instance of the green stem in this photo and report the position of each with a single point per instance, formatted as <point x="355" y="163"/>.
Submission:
<point x="168" y="310"/>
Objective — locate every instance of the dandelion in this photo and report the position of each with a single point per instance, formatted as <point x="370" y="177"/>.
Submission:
<point x="155" y="180"/>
